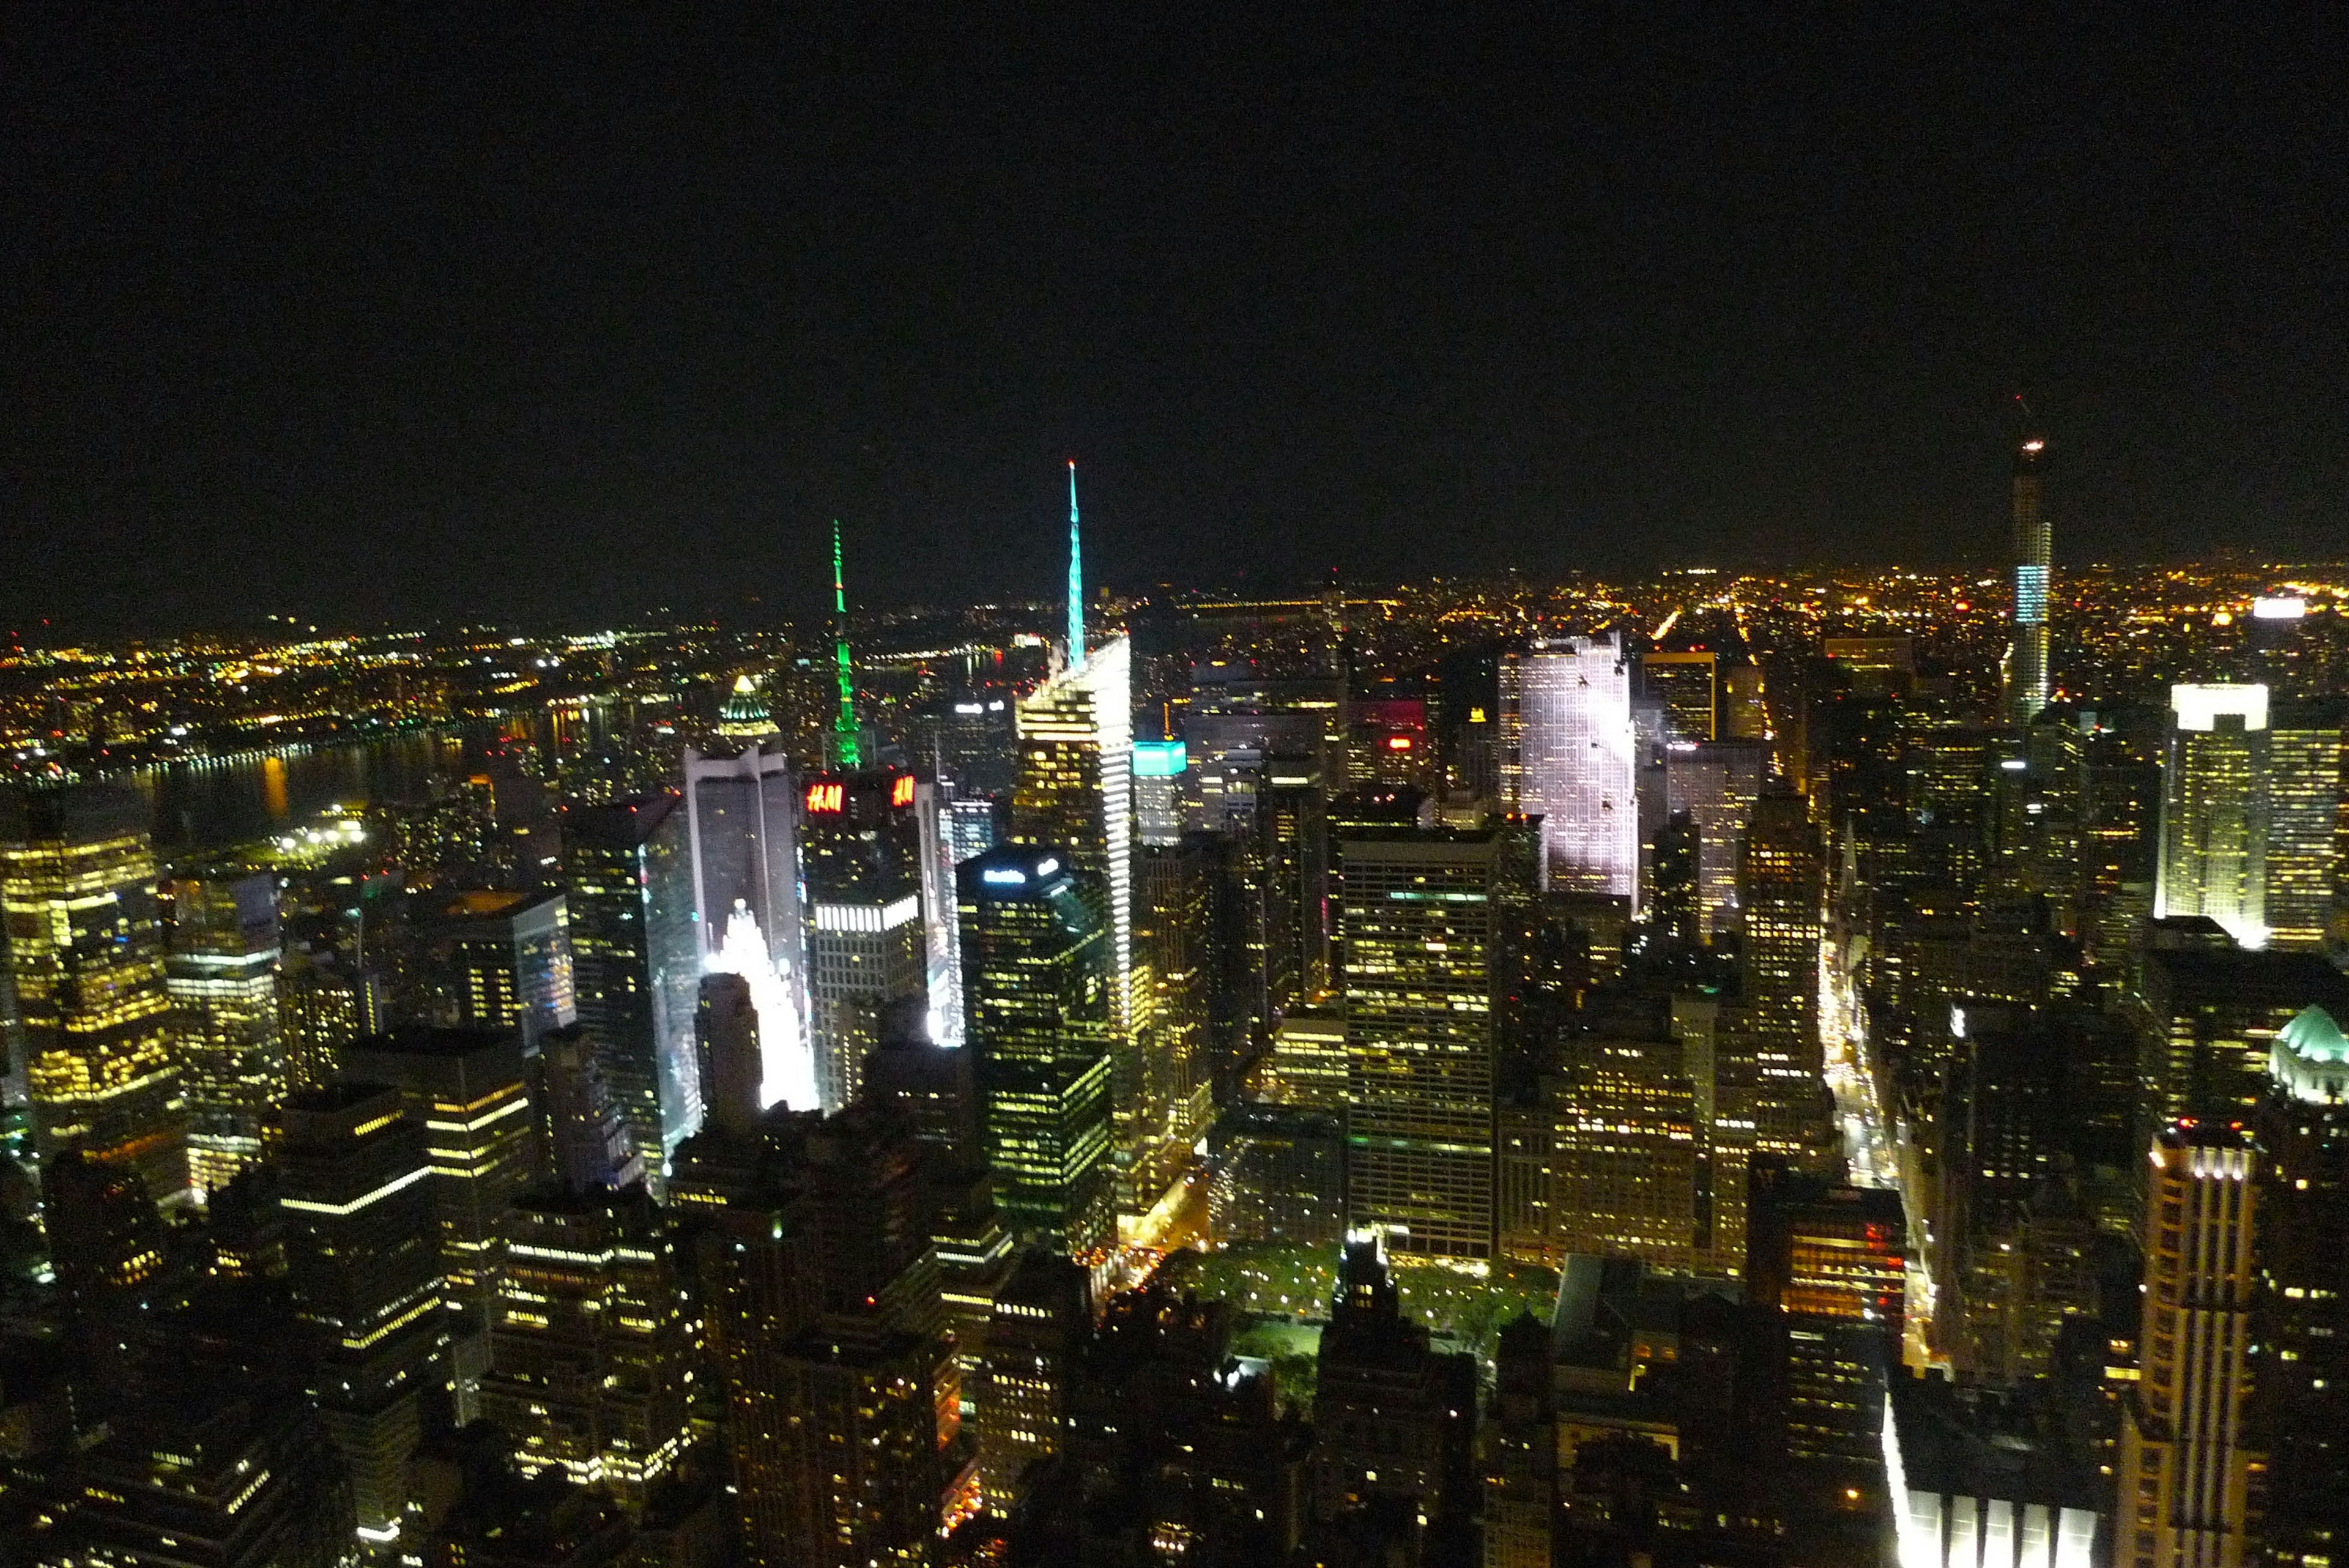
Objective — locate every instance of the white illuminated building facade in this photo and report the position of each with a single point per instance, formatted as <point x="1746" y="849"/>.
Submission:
<point x="1076" y="789"/>
<point x="2213" y="857"/>
<point x="742" y="815"/>
<point x="1566" y="754"/>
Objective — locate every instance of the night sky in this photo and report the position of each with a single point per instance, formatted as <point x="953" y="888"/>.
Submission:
<point x="567" y="315"/>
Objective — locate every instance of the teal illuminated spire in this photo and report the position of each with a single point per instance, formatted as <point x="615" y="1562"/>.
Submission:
<point x="844" y="727"/>
<point x="1076" y="579"/>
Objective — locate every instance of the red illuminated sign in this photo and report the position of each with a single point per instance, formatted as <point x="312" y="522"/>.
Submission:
<point x="901" y="790"/>
<point x="1398" y="743"/>
<point x="823" y="797"/>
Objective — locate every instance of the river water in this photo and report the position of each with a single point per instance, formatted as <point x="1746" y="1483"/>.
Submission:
<point x="200" y="806"/>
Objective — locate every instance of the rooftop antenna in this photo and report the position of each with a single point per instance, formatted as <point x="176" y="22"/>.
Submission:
<point x="1076" y="580"/>
<point x="844" y="727"/>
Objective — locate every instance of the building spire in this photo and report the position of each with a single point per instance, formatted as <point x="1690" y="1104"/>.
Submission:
<point x="1076" y="579"/>
<point x="845" y="734"/>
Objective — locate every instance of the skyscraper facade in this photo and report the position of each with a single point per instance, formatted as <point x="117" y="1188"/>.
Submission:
<point x="1036" y="978"/>
<point x="1566" y="755"/>
<point x="861" y="862"/>
<point x="2213" y="831"/>
<point x="1423" y="969"/>
<point x="1716" y="784"/>
<point x="86" y="956"/>
<point x="590" y="1346"/>
<point x="2031" y="553"/>
<point x="627" y="885"/>
<point x="501" y="960"/>
<point x="363" y="1269"/>
<point x="742" y="819"/>
<point x="1782" y="887"/>
<point x="2184" y="1483"/>
<point x="221" y="969"/>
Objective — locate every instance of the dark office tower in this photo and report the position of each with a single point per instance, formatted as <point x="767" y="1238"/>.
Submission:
<point x="324" y="1005"/>
<point x="1392" y="1417"/>
<point x="588" y="1142"/>
<point x="221" y="969"/>
<point x="1279" y="1176"/>
<point x="1520" y="1450"/>
<point x="933" y="1086"/>
<point x="2031" y="554"/>
<point x="501" y="960"/>
<point x="2300" y="1322"/>
<point x="628" y="888"/>
<point x="2120" y="813"/>
<point x="590" y="1347"/>
<point x="470" y="1089"/>
<point x="861" y="869"/>
<point x="1425" y="968"/>
<point x="1386" y="744"/>
<point x="226" y="1479"/>
<point x="1833" y="1262"/>
<point x="742" y="815"/>
<point x="2036" y="1138"/>
<point x="2183" y="1491"/>
<point x="364" y="1272"/>
<point x="1037" y="977"/>
<point x="976" y="744"/>
<point x="1293" y="819"/>
<point x="1782" y="881"/>
<point x="1164" y="1109"/>
<point x="1675" y="916"/>
<point x="829" y="1330"/>
<point x="1717" y="785"/>
<point x="1686" y="685"/>
<point x="106" y="1240"/>
<point x="86" y="955"/>
<point x="726" y="1048"/>
<point x="1040" y="1323"/>
<point x="2209" y="1016"/>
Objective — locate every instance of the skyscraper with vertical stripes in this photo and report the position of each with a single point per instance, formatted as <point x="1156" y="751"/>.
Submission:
<point x="2034" y="566"/>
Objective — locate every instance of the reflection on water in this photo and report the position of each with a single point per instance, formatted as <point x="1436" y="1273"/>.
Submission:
<point x="202" y="806"/>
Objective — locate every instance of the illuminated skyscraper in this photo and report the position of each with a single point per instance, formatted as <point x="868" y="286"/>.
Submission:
<point x="85" y="954"/>
<point x="1076" y="789"/>
<point x="2306" y="836"/>
<point x="1631" y="1163"/>
<point x="2252" y="831"/>
<point x="1424" y="966"/>
<point x="742" y="819"/>
<point x="1782" y="887"/>
<point x="2183" y="1492"/>
<point x="2033" y="555"/>
<point x="2213" y="847"/>
<point x="1035" y="984"/>
<point x="627" y="878"/>
<point x="363" y="1269"/>
<point x="221" y="973"/>
<point x="1075" y="795"/>
<point x="860" y="864"/>
<point x="1568" y="757"/>
<point x="590" y="1347"/>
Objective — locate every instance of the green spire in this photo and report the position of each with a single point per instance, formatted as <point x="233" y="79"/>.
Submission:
<point x="844" y="727"/>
